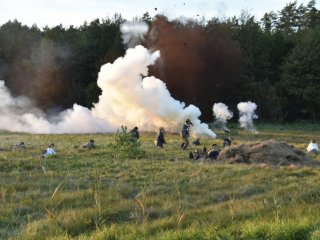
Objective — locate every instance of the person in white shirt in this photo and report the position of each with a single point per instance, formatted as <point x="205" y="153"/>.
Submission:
<point x="313" y="147"/>
<point x="50" y="151"/>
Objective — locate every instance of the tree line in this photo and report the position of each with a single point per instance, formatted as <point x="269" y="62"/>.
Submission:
<point x="278" y="68"/>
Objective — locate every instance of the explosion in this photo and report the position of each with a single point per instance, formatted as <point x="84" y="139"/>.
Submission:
<point x="128" y="98"/>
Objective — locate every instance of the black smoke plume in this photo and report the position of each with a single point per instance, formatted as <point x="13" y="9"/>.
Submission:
<point x="200" y="66"/>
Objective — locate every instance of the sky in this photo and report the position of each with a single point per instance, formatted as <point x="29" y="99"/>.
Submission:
<point x="75" y="12"/>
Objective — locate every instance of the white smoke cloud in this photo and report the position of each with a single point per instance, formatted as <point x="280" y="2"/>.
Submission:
<point x="133" y="32"/>
<point x="128" y="98"/>
<point x="246" y="113"/>
<point x="222" y="115"/>
<point x="18" y="115"/>
<point x="132" y="99"/>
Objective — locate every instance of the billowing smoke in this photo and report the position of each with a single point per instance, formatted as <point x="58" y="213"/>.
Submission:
<point x="128" y="98"/>
<point x="222" y="115"/>
<point x="42" y="75"/>
<point x="246" y="113"/>
<point x="133" y="33"/>
<point x="18" y="115"/>
<point x="200" y="65"/>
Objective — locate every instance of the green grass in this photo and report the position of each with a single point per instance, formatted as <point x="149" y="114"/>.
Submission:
<point x="161" y="194"/>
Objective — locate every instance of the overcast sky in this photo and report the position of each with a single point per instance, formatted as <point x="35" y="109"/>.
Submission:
<point x="75" y="12"/>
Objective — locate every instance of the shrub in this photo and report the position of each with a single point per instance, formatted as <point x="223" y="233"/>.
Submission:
<point x="126" y="146"/>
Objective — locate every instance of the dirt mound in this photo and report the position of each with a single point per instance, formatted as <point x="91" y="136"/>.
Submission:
<point x="268" y="152"/>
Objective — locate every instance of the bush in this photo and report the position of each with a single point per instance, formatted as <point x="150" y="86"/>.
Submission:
<point x="126" y="146"/>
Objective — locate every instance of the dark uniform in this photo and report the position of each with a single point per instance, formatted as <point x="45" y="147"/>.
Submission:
<point x="196" y="154"/>
<point x="89" y="144"/>
<point x="159" y="141"/>
<point x="227" y="142"/>
<point x="20" y="145"/>
<point x="213" y="153"/>
<point x="196" y="142"/>
<point x="185" y="134"/>
<point x="135" y="133"/>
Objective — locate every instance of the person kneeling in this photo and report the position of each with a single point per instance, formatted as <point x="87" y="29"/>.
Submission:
<point x="313" y="147"/>
<point x="89" y="144"/>
<point x="213" y="153"/>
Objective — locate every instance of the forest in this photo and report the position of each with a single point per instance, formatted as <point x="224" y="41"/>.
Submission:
<point x="273" y="61"/>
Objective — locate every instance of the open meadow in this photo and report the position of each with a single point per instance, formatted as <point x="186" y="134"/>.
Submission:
<point x="114" y="192"/>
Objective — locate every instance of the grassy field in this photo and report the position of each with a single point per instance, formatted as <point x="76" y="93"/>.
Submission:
<point x="159" y="194"/>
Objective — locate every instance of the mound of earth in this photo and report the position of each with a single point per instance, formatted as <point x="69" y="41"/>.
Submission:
<point x="270" y="152"/>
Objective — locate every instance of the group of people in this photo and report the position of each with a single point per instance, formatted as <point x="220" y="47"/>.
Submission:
<point x="212" y="154"/>
<point x="50" y="150"/>
<point x="159" y="141"/>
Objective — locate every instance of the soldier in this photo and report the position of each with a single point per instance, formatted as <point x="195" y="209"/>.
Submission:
<point x="313" y="147"/>
<point x="49" y="151"/>
<point x="213" y="153"/>
<point x="89" y="144"/>
<point x="135" y="133"/>
<point x="204" y="152"/>
<point x="185" y="134"/>
<point x="196" y="154"/>
<point x="20" y="145"/>
<point x="196" y="142"/>
<point x="227" y="142"/>
<point x="159" y="141"/>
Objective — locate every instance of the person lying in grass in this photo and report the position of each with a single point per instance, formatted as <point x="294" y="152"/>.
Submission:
<point x="49" y="151"/>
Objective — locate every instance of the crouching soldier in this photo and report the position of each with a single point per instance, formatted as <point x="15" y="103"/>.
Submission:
<point x="196" y="142"/>
<point x="213" y="153"/>
<point x="20" y="145"/>
<point x="89" y="144"/>
<point x="227" y="142"/>
<point x="194" y="155"/>
<point x="135" y="133"/>
<point x="159" y="141"/>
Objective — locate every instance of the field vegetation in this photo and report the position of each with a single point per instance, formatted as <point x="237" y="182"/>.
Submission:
<point x="141" y="192"/>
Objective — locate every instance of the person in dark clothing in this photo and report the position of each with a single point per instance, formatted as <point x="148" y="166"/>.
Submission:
<point x="135" y="133"/>
<point x="89" y="144"/>
<point x="185" y="134"/>
<point x="20" y="145"/>
<point x="159" y="141"/>
<point x="213" y="153"/>
<point x="196" y="142"/>
<point x="196" y="154"/>
<point x="227" y="142"/>
<point x="204" y="152"/>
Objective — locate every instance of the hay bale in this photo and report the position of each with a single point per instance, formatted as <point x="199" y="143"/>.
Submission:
<point x="270" y="152"/>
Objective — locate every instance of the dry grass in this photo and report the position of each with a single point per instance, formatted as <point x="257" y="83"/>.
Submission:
<point x="88" y="194"/>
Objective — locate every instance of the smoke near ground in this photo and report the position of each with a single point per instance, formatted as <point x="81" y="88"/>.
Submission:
<point x="19" y="115"/>
<point x="222" y="114"/>
<point x="128" y="98"/>
<point x="246" y="115"/>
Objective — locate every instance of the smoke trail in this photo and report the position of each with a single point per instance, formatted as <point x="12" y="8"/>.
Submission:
<point x="222" y="115"/>
<point x="133" y="32"/>
<point x="246" y="112"/>
<point x="127" y="98"/>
